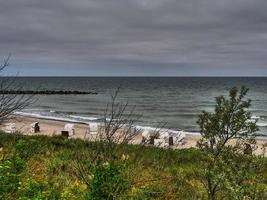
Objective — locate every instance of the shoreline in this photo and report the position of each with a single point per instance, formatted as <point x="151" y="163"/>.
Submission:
<point x="53" y="127"/>
<point x="85" y="120"/>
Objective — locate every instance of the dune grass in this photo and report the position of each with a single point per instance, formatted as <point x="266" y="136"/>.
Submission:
<point x="40" y="167"/>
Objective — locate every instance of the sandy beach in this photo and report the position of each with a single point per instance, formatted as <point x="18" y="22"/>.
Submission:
<point x="51" y="127"/>
<point x="54" y="127"/>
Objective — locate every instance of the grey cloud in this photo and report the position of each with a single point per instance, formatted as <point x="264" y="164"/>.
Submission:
<point x="163" y="35"/>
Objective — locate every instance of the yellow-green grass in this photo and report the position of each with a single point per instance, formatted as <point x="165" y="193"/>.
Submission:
<point x="40" y="167"/>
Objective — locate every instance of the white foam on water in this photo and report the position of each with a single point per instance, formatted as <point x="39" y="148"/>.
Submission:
<point x="262" y="124"/>
<point x="83" y="117"/>
<point x="40" y="116"/>
<point x="255" y="117"/>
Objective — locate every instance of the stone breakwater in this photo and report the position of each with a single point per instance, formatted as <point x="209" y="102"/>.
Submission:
<point x="45" y="92"/>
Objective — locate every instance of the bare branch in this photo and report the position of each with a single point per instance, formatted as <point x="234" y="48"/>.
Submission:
<point x="11" y="103"/>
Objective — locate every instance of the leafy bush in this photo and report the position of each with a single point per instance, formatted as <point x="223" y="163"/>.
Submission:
<point x="14" y="163"/>
<point x="9" y="176"/>
<point x="33" y="190"/>
<point x="108" y="181"/>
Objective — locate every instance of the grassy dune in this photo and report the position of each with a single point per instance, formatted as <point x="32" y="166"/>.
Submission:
<point x="39" y="167"/>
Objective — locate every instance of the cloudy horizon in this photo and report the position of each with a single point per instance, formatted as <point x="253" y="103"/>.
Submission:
<point x="134" y="37"/>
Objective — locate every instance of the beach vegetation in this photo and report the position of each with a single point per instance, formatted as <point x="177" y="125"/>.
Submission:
<point x="41" y="167"/>
<point x="231" y="119"/>
<point x="228" y="139"/>
<point x="106" y="177"/>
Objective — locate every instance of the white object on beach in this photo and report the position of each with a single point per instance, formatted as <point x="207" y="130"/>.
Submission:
<point x="160" y="143"/>
<point x="164" y="135"/>
<point x="93" y="128"/>
<point x="147" y="135"/>
<point x="10" y="128"/>
<point x="178" y="137"/>
<point x="70" y="129"/>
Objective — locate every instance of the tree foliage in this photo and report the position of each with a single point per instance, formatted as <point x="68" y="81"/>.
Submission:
<point x="228" y="173"/>
<point x="230" y="120"/>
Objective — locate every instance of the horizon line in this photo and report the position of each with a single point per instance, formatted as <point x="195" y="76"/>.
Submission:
<point x="24" y="76"/>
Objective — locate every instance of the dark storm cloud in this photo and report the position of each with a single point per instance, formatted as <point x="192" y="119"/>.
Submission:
<point x="157" y="37"/>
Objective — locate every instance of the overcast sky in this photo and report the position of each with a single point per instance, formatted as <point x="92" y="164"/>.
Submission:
<point x="135" y="37"/>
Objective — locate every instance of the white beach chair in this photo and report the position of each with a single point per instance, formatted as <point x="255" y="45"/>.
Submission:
<point x="160" y="143"/>
<point x="93" y="128"/>
<point x="68" y="130"/>
<point x="148" y="136"/>
<point x="145" y="136"/>
<point x="10" y="128"/>
<point x="164" y="135"/>
<point x="178" y="137"/>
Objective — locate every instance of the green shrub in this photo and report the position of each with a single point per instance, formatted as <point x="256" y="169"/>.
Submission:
<point x="14" y="163"/>
<point x="25" y="148"/>
<point x="9" y="176"/>
<point x="33" y="190"/>
<point x="146" y="193"/>
<point x="108" y="181"/>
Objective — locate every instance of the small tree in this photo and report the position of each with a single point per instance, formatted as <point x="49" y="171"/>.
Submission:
<point x="119" y="125"/>
<point x="230" y="120"/>
<point x="11" y="103"/>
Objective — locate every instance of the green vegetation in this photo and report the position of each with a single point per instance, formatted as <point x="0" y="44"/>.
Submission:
<point x="230" y="120"/>
<point x="39" y="167"/>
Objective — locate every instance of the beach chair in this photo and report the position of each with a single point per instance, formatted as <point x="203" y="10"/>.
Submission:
<point x="35" y="128"/>
<point x="148" y="136"/>
<point x="178" y="137"/>
<point x="68" y="130"/>
<point x="170" y="141"/>
<point x="145" y="136"/>
<point x="160" y="143"/>
<point x="10" y="128"/>
<point x="93" y="128"/>
<point x="247" y="149"/>
<point x="164" y="135"/>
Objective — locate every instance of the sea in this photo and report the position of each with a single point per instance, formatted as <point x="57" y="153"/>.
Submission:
<point x="175" y="102"/>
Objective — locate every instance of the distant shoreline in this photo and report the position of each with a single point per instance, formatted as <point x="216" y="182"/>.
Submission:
<point x="76" y="121"/>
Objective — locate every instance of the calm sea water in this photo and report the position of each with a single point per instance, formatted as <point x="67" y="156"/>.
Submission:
<point x="176" y="101"/>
